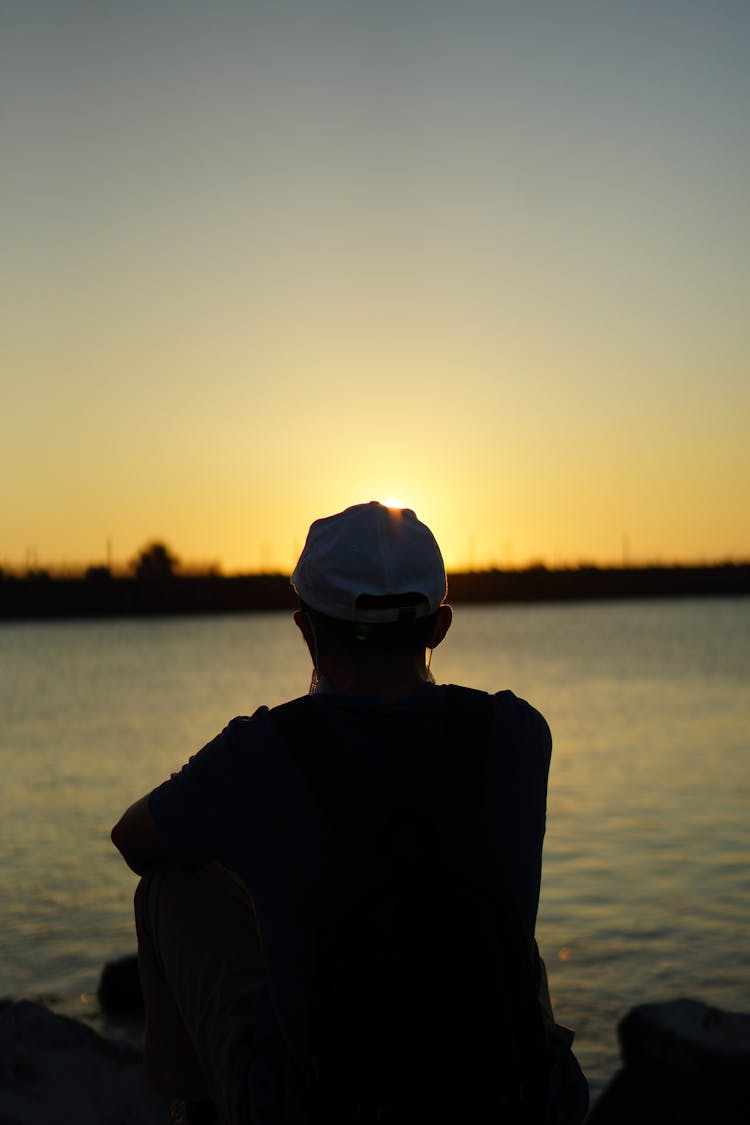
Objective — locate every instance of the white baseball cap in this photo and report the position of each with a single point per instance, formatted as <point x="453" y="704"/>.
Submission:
<point x="366" y="552"/>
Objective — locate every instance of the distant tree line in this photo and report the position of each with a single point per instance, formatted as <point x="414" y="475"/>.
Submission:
<point x="156" y="587"/>
<point x="154" y="562"/>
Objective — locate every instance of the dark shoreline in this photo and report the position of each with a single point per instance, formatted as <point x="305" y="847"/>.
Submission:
<point x="681" y="1061"/>
<point x="39" y="596"/>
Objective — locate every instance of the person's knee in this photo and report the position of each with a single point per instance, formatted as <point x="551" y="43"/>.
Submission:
<point x="147" y="893"/>
<point x="140" y="898"/>
<point x="141" y="893"/>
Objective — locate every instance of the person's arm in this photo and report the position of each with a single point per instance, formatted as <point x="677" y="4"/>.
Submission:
<point x="136" y="838"/>
<point x="185" y="820"/>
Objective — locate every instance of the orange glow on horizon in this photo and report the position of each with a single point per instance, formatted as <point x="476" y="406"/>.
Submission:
<point x="249" y="321"/>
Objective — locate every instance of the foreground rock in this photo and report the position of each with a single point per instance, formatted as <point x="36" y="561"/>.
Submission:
<point x="56" y="1071"/>
<point x="684" y="1063"/>
<point x="119" y="992"/>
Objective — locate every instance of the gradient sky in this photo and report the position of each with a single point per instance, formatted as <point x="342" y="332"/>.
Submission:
<point x="262" y="260"/>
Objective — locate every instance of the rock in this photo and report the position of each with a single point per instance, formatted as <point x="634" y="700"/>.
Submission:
<point x="691" y="1040"/>
<point x="685" y="1063"/>
<point x="56" y="1071"/>
<point x="119" y="992"/>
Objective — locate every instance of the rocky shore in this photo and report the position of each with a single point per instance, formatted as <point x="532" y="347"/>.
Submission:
<point x="684" y="1063"/>
<point x="57" y="1071"/>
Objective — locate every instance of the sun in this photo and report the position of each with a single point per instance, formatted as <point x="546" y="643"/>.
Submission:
<point x="393" y="502"/>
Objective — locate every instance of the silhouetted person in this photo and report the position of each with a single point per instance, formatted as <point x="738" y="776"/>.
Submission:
<point x="339" y="895"/>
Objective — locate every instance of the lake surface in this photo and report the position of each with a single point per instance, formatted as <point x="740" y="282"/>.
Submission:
<point x="646" y="875"/>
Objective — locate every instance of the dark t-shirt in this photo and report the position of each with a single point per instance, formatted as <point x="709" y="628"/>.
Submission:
<point x="243" y="801"/>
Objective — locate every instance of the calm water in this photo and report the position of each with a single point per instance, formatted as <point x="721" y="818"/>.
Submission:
<point x="646" y="878"/>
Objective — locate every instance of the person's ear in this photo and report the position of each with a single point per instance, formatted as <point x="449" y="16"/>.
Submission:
<point x="442" y="625"/>
<point x="302" y="621"/>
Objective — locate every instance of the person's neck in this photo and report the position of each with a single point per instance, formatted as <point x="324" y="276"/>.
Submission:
<point x="389" y="682"/>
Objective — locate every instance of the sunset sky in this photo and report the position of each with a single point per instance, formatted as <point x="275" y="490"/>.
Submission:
<point x="262" y="260"/>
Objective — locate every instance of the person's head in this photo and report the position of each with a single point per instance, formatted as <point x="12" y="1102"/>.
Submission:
<point x="372" y="587"/>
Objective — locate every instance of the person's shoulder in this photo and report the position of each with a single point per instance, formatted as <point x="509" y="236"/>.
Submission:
<point x="263" y="728"/>
<point x="511" y="708"/>
<point x="508" y="703"/>
<point x="240" y="725"/>
<point x="511" y="715"/>
<point x="246" y="733"/>
<point x="519" y="723"/>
